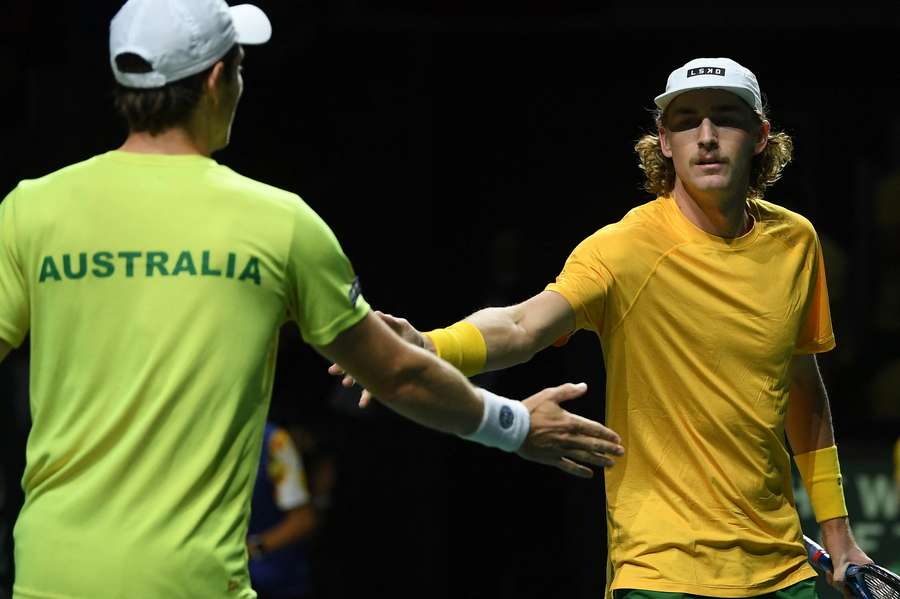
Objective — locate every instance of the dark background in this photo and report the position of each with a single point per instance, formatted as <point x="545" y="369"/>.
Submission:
<point x="460" y="150"/>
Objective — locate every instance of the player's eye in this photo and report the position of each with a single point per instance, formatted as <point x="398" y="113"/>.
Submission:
<point x="683" y="123"/>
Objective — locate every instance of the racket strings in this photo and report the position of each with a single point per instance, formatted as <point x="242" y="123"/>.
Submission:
<point x="880" y="585"/>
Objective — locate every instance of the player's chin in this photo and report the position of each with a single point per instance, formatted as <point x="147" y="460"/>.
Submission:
<point x="712" y="182"/>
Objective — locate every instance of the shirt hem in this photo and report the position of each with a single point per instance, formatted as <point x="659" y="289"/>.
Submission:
<point x="9" y="335"/>
<point x="722" y="590"/>
<point x="20" y="593"/>
<point x="574" y="303"/>
<point x="816" y="347"/>
<point x="327" y="334"/>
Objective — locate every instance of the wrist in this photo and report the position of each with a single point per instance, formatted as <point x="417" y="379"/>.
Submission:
<point x="836" y="534"/>
<point x="821" y="474"/>
<point x="504" y="423"/>
<point x="460" y="344"/>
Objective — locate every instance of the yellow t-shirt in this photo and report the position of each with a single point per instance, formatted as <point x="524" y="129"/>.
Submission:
<point x="697" y="334"/>
<point x="154" y="288"/>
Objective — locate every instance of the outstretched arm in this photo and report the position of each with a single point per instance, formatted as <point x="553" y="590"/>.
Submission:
<point x="510" y="335"/>
<point x="416" y="384"/>
<point x="406" y="378"/>
<point x="514" y="334"/>
<point x="809" y="429"/>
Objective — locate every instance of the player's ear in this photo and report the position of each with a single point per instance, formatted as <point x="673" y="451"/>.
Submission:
<point x="211" y="84"/>
<point x="664" y="145"/>
<point x="763" y="139"/>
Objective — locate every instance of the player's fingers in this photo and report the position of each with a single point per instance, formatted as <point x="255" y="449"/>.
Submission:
<point x="605" y="436"/>
<point x="398" y="325"/>
<point x="570" y="467"/>
<point x="365" y="398"/>
<point x="589" y="457"/>
<point x="335" y="370"/>
<point x="348" y="381"/>
<point x="586" y="443"/>
<point x="389" y="319"/>
<point x="567" y="391"/>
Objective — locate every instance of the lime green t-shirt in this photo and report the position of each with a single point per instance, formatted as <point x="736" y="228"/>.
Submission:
<point x="153" y="288"/>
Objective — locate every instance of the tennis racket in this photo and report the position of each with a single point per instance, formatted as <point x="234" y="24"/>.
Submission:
<point x="866" y="582"/>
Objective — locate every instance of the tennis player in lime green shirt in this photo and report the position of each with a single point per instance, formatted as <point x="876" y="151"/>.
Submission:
<point x="153" y="282"/>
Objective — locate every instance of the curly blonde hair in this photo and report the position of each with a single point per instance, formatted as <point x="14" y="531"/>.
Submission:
<point x="765" y="169"/>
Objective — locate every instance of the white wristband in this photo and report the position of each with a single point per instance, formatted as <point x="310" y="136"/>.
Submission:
<point x="504" y="424"/>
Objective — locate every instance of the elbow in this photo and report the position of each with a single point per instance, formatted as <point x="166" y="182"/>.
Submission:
<point x="302" y="523"/>
<point x="403" y="376"/>
<point x="522" y="347"/>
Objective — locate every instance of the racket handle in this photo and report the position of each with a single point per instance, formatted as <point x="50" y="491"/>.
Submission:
<point x="818" y="557"/>
<point x="821" y="561"/>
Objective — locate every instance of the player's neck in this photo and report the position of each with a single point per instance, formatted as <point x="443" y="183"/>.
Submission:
<point x="171" y="141"/>
<point x="722" y="215"/>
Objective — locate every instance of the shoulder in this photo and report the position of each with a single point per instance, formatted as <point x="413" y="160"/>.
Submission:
<point x="66" y="175"/>
<point x="264" y="193"/>
<point x="642" y="235"/>
<point x="278" y="438"/>
<point x="280" y="204"/>
<point x="792" y="228"/>
<point x="641" y="221"/>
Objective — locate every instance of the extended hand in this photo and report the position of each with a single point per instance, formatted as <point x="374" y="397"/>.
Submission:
<point x="839" y="542"/>
<point x="852" y="555"/>
<point x="564" y="440"/>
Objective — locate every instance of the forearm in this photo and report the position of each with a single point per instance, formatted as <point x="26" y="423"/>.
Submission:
<point x="809" y="430"/>
<point x="514" y="334"/>
<point x="408" y="379"/>
<point x="432" y="393"/>
<point x="836" y="534"/>
<point x="508" y="342"/>
<point x="297" y="525"/>
<point x="808" y="422"/>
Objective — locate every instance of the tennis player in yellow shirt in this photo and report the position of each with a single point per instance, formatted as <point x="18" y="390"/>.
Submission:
<point x="153" y="282"/>
<point x="710" y="304"/>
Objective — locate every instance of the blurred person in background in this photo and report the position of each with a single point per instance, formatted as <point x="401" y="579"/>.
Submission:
<point x="282" y="521"/>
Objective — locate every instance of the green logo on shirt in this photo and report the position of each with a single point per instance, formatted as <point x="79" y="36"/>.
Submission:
<point x="102" y="265"/>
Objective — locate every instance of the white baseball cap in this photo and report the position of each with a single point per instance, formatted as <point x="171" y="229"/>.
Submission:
<point x="713" y="73"/>
<point x="180" y="38"/>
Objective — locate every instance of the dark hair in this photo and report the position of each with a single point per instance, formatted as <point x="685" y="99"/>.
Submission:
<point x="155" y="110"/>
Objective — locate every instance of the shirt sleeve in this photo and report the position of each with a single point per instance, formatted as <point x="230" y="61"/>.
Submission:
<point x="816" y="334"/>
<point x="323" y="292"/>
<point x="585" y="283"/>
<point x="14" y="304"/>
<point x="286" y="472"/>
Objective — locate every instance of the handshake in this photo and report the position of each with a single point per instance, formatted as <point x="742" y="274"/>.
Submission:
<point x="537" y="429"/>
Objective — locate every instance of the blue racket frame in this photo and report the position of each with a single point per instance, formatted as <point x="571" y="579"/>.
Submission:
<point x="821" y="561"/>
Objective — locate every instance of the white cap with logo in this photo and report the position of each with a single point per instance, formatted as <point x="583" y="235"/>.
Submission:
<point x="712" y="73"/>
<point x="180" y="38"/>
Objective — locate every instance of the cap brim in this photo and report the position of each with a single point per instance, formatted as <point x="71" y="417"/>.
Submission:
<point x="251" y="24"/>
<point x="663" y="100"/>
